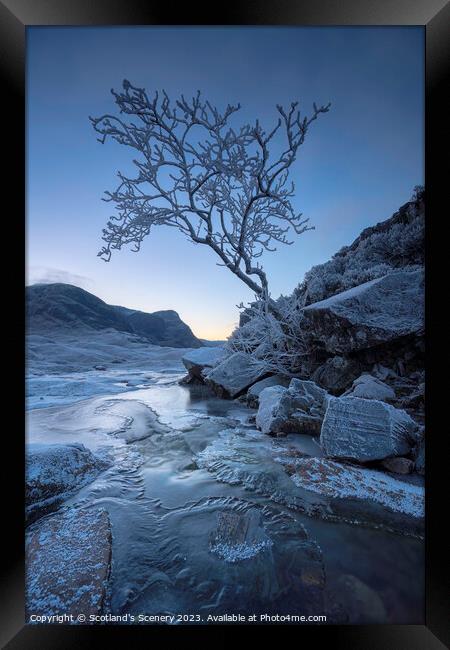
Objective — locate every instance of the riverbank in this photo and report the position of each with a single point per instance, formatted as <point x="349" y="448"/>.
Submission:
<point x="201" y="504"/>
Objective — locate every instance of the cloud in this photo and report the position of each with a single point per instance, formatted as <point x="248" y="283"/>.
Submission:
<point x="46" y="275"/>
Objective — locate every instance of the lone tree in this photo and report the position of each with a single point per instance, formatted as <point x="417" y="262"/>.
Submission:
<point x="219" y="186"/>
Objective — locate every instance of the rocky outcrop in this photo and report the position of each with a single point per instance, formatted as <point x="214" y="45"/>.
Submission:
<point x="365" y="430"/>
<point x="234" y="375"/>
<point x="54" y="472"/>
<point x="254" y="391"/>
<point x="373" y="313"/>
<point x="201" y="359"/>
<point x="369" y="387"/>
<point x="360" y="313"/>
<point x="297" y="409"/>
<point x="343" y="481"/>
<point x="68" y="559"/>
<point x="395" y="243"/>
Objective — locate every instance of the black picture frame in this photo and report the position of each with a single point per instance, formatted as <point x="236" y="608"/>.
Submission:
<point x="15" y="17"/>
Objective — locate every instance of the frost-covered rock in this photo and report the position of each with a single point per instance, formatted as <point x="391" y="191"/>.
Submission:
<point x="342" y="481"/>
<point x="369" y="387"/>
<point x="269" y="402"/>
<point x="365" y="430"/>
<point x="395" y="243"/>
<point x="370" y="314"/>
<point x="195" y="361"/>
<point x="53" y="472"/>
<point x="336" y="374"/>
<point x="234" y="375"/>
<point x="255" y="390"/>
<point x="68" y="558"/>
<point x="268" y="466"/>
<point x="297" y="409"/>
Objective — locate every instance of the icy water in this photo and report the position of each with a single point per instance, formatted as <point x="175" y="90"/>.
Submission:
<point x="206" y="520"/>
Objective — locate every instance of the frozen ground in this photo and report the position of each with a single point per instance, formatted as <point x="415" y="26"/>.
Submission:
<point x="64" y="368"/>
<point x="204" y="516"/>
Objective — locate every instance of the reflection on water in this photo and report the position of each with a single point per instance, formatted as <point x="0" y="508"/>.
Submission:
<point x="206" y="520"/>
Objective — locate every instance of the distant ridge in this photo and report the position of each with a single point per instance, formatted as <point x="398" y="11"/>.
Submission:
<point x="70" y="308"/>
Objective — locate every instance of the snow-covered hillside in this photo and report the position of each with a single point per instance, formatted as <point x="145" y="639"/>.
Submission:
<point x="68" y="309"/>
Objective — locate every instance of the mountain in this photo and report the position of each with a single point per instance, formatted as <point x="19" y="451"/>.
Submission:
<point x="70" y="308"/>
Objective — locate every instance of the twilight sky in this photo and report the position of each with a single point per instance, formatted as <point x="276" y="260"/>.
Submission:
<point x="359" y="162"/>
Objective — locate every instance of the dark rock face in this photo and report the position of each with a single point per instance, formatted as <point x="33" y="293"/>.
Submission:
<point x="336" y="374"/>
<point x="398" y="465"/>
<point x="70" y="308"/>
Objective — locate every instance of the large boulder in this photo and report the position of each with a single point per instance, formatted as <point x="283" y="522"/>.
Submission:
<point x="365" y="430"/>
<point x="343" y="481"/>
<point x="196" y="361"/>
<point x="234" y="375"/>
<point x="254" y="391"/>
<point x="54" y="472"/>
<point x="373" y="313"/>
<point x="297" y="409"/>
<point x="68" y="560"/>
<point x="370" y="387"/>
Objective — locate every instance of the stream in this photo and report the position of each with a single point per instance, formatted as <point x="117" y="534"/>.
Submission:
<point x="206" y="520"/>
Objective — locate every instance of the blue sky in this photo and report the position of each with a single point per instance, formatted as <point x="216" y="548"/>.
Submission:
<point x="358" y="164"/>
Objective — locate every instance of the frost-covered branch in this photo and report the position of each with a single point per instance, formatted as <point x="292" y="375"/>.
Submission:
<point x="219" y="185"/>
<point x="273" y="342"/>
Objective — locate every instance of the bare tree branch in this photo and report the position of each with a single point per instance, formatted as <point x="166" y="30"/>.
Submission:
<point x="220" y="186"/>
